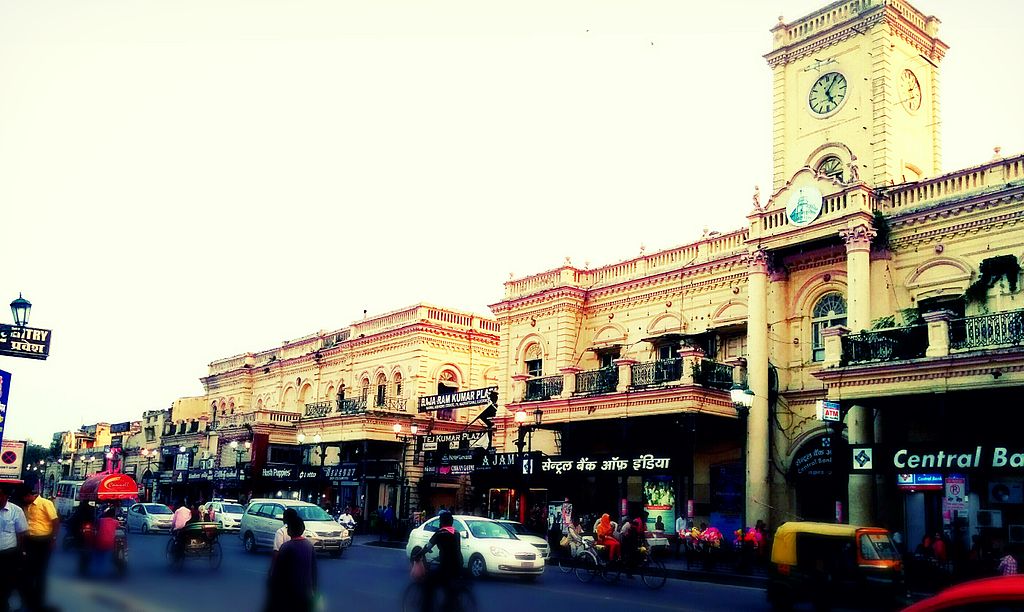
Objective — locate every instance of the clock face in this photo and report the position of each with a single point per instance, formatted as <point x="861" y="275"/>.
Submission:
<point x="827" y="93"/>
<point x="910" y="91"/>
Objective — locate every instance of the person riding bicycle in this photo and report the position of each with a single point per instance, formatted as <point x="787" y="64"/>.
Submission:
<point x="449" y="562"/>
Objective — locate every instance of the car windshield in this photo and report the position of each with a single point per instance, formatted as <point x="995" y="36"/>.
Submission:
<point x="489" y="530"/>
<point x="157" y="509"/>
<point x="312" y="513"/>
<point x="232" y="509"/>
<point x="877" y="547"/>
<point x="516" y="528"/>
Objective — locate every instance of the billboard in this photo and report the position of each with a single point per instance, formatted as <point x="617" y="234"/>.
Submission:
<point x="660" y="502"/>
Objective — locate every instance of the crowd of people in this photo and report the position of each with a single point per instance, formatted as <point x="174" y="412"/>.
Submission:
<point x="28" y="535"/>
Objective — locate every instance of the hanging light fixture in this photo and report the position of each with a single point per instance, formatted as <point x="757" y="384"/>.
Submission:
<point x="21" y="308"/>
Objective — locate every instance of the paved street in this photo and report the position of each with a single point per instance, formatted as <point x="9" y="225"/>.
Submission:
<point x="366" y="578"/>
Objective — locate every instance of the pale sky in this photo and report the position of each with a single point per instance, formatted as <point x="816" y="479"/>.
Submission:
<point x="186" y="181"/>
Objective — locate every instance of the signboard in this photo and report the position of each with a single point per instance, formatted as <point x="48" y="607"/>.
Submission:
<point x="24" y="342"/>
<point x="279" y="472"/>
<point x="919" y="482"/>
<point x="638" y="464"/>
<point x="346" y="472"/>
<point x="828" y="411"/>
<point x="459" y="399"/>
<point x="956" y="493"/>
<point x="804" y="206"/>
<point x="181" y="461"/>
<point x="814" y="459"/>
<point x="225" y="473"/>
<point x="116" y="441"/>
<point x="199" y="474"/>
<point x="12" y="454"/>
<point x="5" y="392"/>
<point x="660" y="501"/>
<point x="381" y="470"/>
<point x="117" y="428"/>
<point x="444" y="442"/>
<point x="307" y="472"/>
<point x="935" y="459"/>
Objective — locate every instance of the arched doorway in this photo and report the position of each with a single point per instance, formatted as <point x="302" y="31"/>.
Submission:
<point x="817" y="476"/>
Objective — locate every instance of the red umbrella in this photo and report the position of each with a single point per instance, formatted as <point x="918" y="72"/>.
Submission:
<point x="104" y="487"/>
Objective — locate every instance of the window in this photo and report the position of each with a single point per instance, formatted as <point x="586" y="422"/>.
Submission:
<point x="365" y="389"/>
<point x="668" y="351"/>
<point x="832" y="167"/>
<point x="830" y="310"/>
<point x="431" y="525"/>
<point x="276" y="512"/>
<point x="535" y="367"/>
<point x="382" y="389"/>
<point x="398" y="385"/>
<point x="607" y="357"/>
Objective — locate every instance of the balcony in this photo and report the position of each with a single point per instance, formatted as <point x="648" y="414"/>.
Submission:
<point x="1001" y="329"/>
<point x="391" y="403"/>
<point x="651" y="373"/>
<point x="265" y="417"/>
<point x="894" y="344"/>
<point x="601" y="380"/>
<point x="543" y="388"/>
<point x="352" y="405"/>
<point x="714" y="375"/>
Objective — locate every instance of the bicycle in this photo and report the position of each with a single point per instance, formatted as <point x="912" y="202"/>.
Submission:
<point x="651" y="571"/>
<point x="416" y="592"/>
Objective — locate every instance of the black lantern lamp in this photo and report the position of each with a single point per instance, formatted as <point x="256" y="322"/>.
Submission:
<point x="21" y="308"/>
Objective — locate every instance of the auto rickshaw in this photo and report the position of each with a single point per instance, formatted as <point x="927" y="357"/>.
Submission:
<point x="827" y="563"/>
<point x="111" y="489"/>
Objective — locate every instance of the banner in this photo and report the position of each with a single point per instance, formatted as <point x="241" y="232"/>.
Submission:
<point x="5" y="391"/>
<point x="660" y="502"/>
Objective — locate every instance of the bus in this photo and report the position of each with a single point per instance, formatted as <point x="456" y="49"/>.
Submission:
<point x="67" y="497"/>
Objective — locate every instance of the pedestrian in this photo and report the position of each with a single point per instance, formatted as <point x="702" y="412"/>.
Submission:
<point x="82" y="527"/>
<point x="196" y="515"/>
<point x="1007" y="564"/>
<point x="281" y="535"/>
<point x="13" y="529"/>
<point x="606" y="537"/>
<point x="389" y="520"/>
<point x="43" y="527"/>
<point x="293" y="572"/>
<point x="681" y="532"/>
<point x="103" y="545"/>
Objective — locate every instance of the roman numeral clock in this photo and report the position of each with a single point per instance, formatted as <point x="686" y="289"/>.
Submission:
<point x="827" y="94"/>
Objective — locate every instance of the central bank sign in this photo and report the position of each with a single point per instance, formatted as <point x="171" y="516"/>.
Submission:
<point x="906" y="460"/>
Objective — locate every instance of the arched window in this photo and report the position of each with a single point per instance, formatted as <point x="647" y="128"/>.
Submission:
<point x="832" y="167"/>
<point x="382" y="389"/>
<point x="447" y="383"/>
<point x="365" y="388"/>
<point x="398" y="384"/>
<point x="533" y="360"/>
<point x="830" y="310"/>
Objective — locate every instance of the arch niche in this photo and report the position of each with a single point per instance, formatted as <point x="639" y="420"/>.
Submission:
<point x="817" y="477"/>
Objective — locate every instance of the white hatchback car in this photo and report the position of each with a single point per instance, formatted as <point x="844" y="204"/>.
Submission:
<point x="225" y="513"/>
<point x="529" y="537"/>
<point x="487" y="547"/>
<point x="147" y="518"/>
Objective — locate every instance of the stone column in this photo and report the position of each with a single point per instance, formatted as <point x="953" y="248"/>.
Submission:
<point x="518" y="388"/>
<point x="625" y="373"/>
<point x="569" y="380"/>
<point x="758" y="493"/>
<point x="938" y="332"/>
<point x="833" y="337"/>
<point x="860" y="425"/>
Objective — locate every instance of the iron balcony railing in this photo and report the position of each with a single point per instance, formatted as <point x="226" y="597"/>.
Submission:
<point x="656" y="372"/>
<point x="352" y="405"/>
<point x="601" y="380"/>
<point x="390" y="402"/>
<point x="983" y="331"/>
<point x="318" y="410"/>
<point x="543" y="388"/>
<point x="885" y="345"/>
<point x="708" y="373"/>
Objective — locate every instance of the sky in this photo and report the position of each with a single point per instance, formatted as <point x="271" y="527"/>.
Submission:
<point x="186" y="181"/>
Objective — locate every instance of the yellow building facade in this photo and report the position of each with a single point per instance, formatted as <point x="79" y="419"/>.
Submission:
<point x="866" y="277"/>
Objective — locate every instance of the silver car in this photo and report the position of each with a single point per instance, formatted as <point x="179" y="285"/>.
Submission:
<point x="228" y="515"/>
<point x="147" y="518"/>
<point x="263" y="517"/>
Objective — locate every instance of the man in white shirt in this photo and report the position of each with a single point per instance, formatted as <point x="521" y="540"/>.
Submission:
<point x="281" y="535"/>
<point x="13" y="529"/>
<point x="680" y="534"/>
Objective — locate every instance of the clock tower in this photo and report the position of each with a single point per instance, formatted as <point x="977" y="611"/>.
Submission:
<point x="855" y="93"/>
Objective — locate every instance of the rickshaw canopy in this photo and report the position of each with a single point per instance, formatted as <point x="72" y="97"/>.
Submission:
<point x="784" y="544"/>
<point x="108" y="487"/>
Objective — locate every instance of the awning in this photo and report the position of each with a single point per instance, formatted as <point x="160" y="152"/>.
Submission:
<point x="669" y="337"/>
<point x="105" y="486"/>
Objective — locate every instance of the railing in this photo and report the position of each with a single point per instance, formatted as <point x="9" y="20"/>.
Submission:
<point x="1001" y="328"/>
<point x="389" y="402"/>
<point x="656" y="372"/>
<point x="352" y="405"/>
<point x="708" y="373"/>
<point x="259" y="416"/>
<point x="885" y="345"/>
<point x="601" y="380"/>
<point x="543" y="388"/>
<point x="318" y="410"/>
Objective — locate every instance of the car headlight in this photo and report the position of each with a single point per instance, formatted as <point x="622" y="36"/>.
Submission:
<point x="344" y="533"/>
<point x="498" y="551"/>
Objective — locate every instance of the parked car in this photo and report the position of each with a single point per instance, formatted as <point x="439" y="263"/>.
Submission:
<point x="488" y="547"/>
<point x="1000" y="593"/>
<point x="227" y="515"/>
<point x="149" y="517"/>
<point x="263" y="517"/>
<point x="527" y="536"/>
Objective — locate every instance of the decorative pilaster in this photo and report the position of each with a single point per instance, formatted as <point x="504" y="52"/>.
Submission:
<point x="858" y="273"/>
<point x="833" y="337"/>
<point x="757" y="460"/>
<point x="938" y="332"/>
<point x="518" y="388"/>
<point x="569" y="380"/>
<point x="625" y="366"/>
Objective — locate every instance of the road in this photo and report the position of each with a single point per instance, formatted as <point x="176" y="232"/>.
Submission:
<point x="365" y="578"/>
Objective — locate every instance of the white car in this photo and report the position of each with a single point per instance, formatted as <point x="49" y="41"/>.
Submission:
<point x="263" y="517"/>
<point x="228" y="515"/>
<point x="487" y="547"/>
<point x="147" y="518"/>
<point x="531" y="538"/>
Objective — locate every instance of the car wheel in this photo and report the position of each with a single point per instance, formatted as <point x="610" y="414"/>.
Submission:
<point x="145" y="528"/>
<point x="249" y="542"/>
<point x="477" y="566"/>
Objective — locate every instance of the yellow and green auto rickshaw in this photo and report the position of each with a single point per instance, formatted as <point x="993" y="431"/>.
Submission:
<point x="827" y="563"/>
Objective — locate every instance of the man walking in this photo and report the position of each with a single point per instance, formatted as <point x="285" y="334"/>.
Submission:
<point x="43" y="526"/>
<point x="13" y="528"/>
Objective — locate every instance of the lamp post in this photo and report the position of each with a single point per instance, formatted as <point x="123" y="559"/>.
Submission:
<point x="149" y="456"/>
<point x="404" y="439"/>
<point x="742" y="400"/>
<point x="20" y="309"/>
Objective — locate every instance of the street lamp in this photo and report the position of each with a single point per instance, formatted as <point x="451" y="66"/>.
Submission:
<point x="21" y="308"/>
<point x="742" y="400"/>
